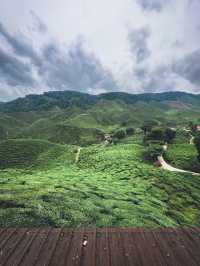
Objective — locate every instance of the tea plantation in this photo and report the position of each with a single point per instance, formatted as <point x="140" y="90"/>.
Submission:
<point x="108" y="186"/>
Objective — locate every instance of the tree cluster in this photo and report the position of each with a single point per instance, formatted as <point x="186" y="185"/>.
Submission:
<point x="158" y="133"/>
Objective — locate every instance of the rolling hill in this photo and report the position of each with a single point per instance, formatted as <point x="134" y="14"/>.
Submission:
<point x="76" y="118"/>
<point x="65" y="99"/>
<point x="44" y="184"/>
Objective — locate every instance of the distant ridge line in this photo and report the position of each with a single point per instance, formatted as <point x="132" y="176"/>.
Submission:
<point x="65" y="99"/>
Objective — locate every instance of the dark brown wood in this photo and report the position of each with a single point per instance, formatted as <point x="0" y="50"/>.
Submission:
<point x="32" y="253"/>
<point x="62" y="248"/>
<point x="21" y="248"/>
<point x="100" y="247"/>
<point x="178" y="249"/>
<point x="48" y="249"/>
<point x="74" y="255"/>
<point x="89" y="248"/>
<point x="190" y="243"/>
<point x="6" y="236"/>
<point x="144" y="252"/>
<point x="12" y="243"/>
<point x="152" y="250"/>
<point x="173" y="254"/>
<point x="116" y="248"/>
<point x="130" y="249"/>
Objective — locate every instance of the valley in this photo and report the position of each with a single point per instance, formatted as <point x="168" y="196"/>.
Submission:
<point x="56" y="169"/>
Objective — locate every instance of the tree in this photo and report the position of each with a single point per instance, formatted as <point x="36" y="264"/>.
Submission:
<point x="130" y="131"/>
<point x="169" y="134"/>
<point x="120" y="134"/>
<point x="3" y="133"/>
<point x="156" y="133"/>
<point x="197" y="144"/>
<point x="152" y="152"/>
<point x="191" y="125"/>
<point x="148" y="125"/>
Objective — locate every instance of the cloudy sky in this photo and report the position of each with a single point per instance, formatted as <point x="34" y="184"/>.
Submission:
<point x="99" y="46"/>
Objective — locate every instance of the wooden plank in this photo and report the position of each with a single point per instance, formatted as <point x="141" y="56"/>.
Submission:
<point x="191" y="246"/>
<point x="197" y="229"/>
<point x="48" y="249"/>
<point x="106" y="247"/>
<point x="74" y="255"/>
<point x="21" y="249"/>
<point x="12" y="243"/>
<point x="6" y="236"/>
<point x="178" y="249"/>
<point x="2" y="230"/>
<point x="102" y="248"/>
<point x="3" y="234"/>
<point x="141" y="246"/>
<point x="117" y="254"/>
<point x="62" y="248"/>
<point x="33" y="252"/>
<point x="192" y="235"/>
<point x="89" y="248"/>
<point x="151" y="248"/>
<point x="130" y="249"/>
<point x="165" y="249"/>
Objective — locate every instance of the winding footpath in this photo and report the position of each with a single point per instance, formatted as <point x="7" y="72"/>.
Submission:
<point x="78" y="155"/>
<point x="192" y="140"/>
<point x="170" y="168"/>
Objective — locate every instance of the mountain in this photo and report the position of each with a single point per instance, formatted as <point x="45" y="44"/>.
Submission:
<point x="65" y="99"/>
<point x="77" y="118"/>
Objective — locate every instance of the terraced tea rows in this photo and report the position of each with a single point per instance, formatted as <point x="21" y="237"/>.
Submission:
<point x="109" y="186"/>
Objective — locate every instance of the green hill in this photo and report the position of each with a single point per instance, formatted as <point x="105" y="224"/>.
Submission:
<point x="61" y="133"/>
<point x="65" y="99"/>
<point x="47" y="179"/>
<point x="28" y="153"/>
<point x="81" y="119"/>
<point x="108" y="187"/>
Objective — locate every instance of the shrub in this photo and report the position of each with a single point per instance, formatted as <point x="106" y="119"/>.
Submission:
<point x="156" y="133"/>
<point x="161" y="134"/>
<point x="197" y="144"/>
<point x="130" y="131"/>
<point x="152" y="152"/>
<point x="148" y="125"/>
<point x="120" y="134"/>
<point x="170" y="134"/>
<point x="15" y="153"/>
<point x="2" y="133"/>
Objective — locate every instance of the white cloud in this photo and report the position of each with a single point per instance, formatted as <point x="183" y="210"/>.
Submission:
<point x="108" y="33"/>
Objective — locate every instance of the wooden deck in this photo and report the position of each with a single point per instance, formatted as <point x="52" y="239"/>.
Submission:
<point x="100" y="247"/>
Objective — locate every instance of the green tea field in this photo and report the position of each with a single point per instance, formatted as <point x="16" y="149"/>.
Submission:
<point x="108" y="186"/>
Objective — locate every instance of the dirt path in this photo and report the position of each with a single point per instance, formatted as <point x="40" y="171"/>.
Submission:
<point x="168" y="167"/>
<point x="192" y="140"/>
<point x="78" y="155"/>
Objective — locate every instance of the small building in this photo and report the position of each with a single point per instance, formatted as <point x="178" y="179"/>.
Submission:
<point x="108" y="139"/>
<point x="197" y="127"/>
<point x="157" y="164"/>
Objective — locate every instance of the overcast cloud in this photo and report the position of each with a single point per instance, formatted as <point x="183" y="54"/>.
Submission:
<point x="156" y="5"/>
<point x="98" y="46"/>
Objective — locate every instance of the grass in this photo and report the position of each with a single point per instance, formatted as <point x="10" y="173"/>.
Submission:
<point x="109" y="186"/>
<point x="23" y="153"/>
<point x="83" y="124"/>
<point x="41" y="185"/>
<point x="183" y="156"/>
<point x="60" y="132"/>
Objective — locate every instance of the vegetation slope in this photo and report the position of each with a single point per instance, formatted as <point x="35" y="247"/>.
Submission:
<point x="43" y="185"/>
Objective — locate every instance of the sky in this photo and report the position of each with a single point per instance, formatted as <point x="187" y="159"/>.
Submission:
<point x="98" y="46"/>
